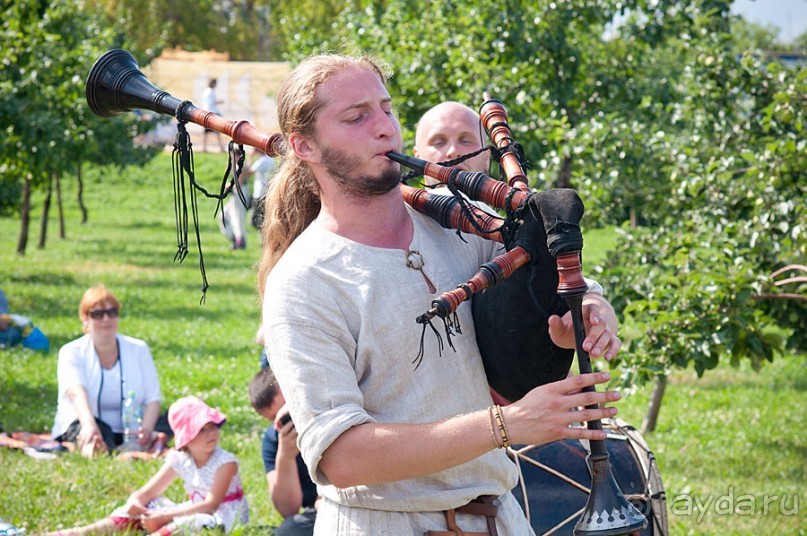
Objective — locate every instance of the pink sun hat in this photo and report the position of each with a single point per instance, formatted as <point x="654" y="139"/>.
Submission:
<point x="188" y="415"/>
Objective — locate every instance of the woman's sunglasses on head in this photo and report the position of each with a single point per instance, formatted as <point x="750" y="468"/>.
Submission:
<point x="97" y="314"/>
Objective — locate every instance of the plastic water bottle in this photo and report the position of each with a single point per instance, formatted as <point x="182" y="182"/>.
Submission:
<point x="131" y="422"/>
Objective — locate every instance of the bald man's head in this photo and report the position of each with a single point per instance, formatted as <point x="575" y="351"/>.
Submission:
<point x="447" y="131"/>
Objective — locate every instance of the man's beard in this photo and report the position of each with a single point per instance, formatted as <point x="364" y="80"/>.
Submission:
<point x="341" y="167"/>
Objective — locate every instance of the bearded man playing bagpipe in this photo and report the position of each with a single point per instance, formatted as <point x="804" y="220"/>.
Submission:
<point x="395" y="448"/>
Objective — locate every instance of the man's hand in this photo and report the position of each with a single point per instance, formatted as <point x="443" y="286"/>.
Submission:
<point x="546" y="413"/>
<point x="287" y="436"/>
<point x="601" y="327"/>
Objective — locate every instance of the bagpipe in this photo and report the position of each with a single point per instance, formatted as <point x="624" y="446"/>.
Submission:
<point x="540" y="233"/>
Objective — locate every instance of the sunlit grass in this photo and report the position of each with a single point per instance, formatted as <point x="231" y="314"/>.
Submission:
<point x="733" y="433"/>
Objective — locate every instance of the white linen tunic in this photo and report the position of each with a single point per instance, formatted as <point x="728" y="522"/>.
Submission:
<point x="339" y="321"/>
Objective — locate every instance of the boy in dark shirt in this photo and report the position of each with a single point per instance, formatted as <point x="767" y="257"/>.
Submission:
<point x="290" y="486"/>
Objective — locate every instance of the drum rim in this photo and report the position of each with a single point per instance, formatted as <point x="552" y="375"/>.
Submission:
<point x="619" y="430"/>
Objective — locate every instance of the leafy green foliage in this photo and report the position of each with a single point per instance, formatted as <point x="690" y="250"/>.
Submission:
<point x="687" y="286"/>
<point x="49" y="129"/>
<point x="667" y="119"/>
<point x="534" y="56"/>
<point x="247" y="30"/>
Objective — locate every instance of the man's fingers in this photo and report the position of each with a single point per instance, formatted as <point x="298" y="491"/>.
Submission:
<point x="573" y="431"/>
<point x="582" y="432"/>
<point x="597" y="341"/>
<point x="574" y="383"/>
<point x="560" y="330"/>
<point x="613" y="348"/>
<point x="556" y="325"/>
<point x="585" y="415"/>
<point x="603" y="343"/>
<point x="590" y="398"/>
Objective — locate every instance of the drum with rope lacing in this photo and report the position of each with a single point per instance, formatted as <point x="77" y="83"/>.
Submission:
<point x="555" y="479"/>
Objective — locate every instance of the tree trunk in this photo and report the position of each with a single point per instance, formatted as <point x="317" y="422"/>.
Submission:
<point x="565" y="174"/>
<point x="62" y="233"/>
<point x="25" y="216"/>
<point x="80" y="196"/>
<point x="654" y="408"/>
<point x="43" y="226"/>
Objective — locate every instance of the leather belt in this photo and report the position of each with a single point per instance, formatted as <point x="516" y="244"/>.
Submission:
<point x="484" y="505"/>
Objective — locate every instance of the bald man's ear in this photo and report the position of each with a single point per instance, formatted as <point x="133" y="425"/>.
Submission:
<point x="303" y="148"/>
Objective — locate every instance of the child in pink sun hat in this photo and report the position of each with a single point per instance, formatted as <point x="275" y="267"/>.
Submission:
<point x="188" y="416"/>
<point x="210" y="475"/>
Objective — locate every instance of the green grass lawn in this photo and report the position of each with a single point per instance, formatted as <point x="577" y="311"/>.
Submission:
<point x="731" y="446"/>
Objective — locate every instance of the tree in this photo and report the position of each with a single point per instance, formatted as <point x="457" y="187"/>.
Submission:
<point x="687" y="287"/>
<point x="662" y="121"/>
<point x="244" y="29"/>
<point x="49" y="130"/>
<point x="554" y="66"/>
<point x="293" y="24"/>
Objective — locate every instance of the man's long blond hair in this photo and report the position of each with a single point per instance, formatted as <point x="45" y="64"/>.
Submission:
<point x="294" y="197"/>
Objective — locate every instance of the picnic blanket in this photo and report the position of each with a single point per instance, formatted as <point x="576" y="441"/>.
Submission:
<point x="43" y="446"/>
<point x="35" y="445"/>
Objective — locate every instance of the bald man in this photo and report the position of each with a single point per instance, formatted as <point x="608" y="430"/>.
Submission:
<point x="451" y="129"/>
<point x="447" y="131"/>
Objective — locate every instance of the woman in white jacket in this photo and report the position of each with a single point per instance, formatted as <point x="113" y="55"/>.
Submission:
<point x="97" y="372"/>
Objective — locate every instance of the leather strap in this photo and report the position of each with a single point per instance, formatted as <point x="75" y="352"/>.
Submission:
<point x="483" y="505"/>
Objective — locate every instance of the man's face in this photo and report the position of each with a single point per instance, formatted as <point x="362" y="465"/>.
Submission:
<point x="447" y="131"/>
<point x="354" y="130"/>
<point x="270" y="412"/>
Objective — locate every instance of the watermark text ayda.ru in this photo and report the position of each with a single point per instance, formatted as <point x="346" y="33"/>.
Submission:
<point x="734" y="504"/>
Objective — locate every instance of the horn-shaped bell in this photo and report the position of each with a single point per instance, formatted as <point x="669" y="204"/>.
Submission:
<point x="608" y="512"/>
<point x="116" y="85"/>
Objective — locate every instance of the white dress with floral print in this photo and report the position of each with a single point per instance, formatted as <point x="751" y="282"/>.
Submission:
<point x="198" y="481"/>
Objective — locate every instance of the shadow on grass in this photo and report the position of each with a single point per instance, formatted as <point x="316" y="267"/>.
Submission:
<point x="256" y="530"/>
<point x="144" y="254"/>
<point x="717" y="381"/>
<point x="205" y="349"/>
<point x="17" y="401"/>
<point x="44" y="278"/>
<point x="29" y="299"/>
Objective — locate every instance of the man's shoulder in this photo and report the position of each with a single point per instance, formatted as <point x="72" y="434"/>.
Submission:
<point x="270" y="435"/>
<point x="310" y="249"/>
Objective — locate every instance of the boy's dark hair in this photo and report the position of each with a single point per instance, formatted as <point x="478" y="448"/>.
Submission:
<point x="263" y="389"/>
